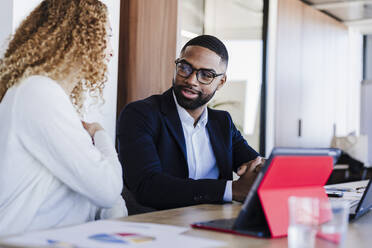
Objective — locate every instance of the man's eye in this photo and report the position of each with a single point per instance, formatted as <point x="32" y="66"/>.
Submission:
<point x="206" y="74"/>
<point x="184" y="67"/>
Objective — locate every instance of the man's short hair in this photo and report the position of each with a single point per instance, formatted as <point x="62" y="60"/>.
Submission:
<point x="212" y="43"/>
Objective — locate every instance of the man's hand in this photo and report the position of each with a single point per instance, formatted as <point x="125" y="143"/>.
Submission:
<point x="92" y="128"/>
<point x="251" y="166"/>
<point x="247" y="172"/>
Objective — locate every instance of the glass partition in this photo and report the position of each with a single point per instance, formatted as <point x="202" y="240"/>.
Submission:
<point x="239" y="24"/>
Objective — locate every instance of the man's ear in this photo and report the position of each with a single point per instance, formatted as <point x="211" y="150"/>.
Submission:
<point x="222" y="82"/>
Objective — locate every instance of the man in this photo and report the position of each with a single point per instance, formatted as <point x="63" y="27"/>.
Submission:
<point x="177" y="152"/>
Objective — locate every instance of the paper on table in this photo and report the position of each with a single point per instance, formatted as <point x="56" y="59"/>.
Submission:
<point x="107" y="234"/>
<point x="350" y="190"/>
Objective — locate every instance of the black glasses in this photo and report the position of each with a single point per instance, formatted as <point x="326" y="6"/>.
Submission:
<point x="204" y="76"/>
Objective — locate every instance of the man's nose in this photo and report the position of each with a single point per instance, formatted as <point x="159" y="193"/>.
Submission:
<point x="192" y="79"/>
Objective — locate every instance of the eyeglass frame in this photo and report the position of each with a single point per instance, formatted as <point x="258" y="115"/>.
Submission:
<point x="179" y="60"/>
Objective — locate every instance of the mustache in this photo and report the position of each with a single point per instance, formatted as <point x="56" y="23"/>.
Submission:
<point x="188" y="87"/>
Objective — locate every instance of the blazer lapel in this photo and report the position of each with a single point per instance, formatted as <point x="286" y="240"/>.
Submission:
<point x="218" y="145"/>
<point x="172" y="119"/>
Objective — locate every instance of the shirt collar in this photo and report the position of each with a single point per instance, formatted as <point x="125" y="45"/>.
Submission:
<point x="186" y="118"/>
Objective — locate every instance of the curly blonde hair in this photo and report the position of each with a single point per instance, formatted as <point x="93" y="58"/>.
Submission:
<point x="58" y="37"/>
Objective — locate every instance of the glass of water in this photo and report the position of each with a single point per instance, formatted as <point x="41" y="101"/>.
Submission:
<point x="334" y="221"/>
<point x="303" y="221"/>
<point x="311" y="218"/>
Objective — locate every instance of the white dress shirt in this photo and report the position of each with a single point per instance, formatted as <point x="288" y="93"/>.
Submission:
<point x="200" y="156"/>
<point x="51" y="174"/>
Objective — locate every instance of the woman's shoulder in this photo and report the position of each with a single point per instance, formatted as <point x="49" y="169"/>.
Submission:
<point x="38" y="89"/>
<point x="39" y="83"/>
<point x="40" y="95"/>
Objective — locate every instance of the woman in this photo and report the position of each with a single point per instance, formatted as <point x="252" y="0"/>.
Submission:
<point x="56" y="170"/>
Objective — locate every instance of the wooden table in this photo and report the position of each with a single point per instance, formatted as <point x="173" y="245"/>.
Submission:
<point x="359" y="233"/>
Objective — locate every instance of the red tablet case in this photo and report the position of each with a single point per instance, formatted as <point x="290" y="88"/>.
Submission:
<point x="291" y="176"/>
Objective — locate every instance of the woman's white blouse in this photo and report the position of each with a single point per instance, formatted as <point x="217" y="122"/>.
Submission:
<point x="51" y="174"/>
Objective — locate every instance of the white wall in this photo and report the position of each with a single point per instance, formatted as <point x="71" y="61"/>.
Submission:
<point x="6" y="14"/>
<point x="22" y="9"/>
<point x="366" y="103"/>
<point x="318" y="74"/>
<point x="355" y="80"/>
<point x="12" y="12"/>
<point x="234" y="20"/>
<point x="106" y="115"/>
<point x="368" y="65"/>
<point x="366" y="115"/>
<point x="270" y="77"/>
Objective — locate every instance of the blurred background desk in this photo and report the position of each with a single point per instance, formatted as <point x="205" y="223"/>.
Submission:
<point x="343" y="173"/>
<point x="359" y="234"/>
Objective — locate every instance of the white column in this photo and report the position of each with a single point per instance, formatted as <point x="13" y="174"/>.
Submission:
<point x="270" y="77"/>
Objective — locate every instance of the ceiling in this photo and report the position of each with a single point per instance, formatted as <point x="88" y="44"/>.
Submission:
<point x="353" y="13"/>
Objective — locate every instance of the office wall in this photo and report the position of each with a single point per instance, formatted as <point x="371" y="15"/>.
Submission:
<point x="366" y="91"/>
<point x="22" y="8"/>
<point x="106" y="114"/>
<point x="368" y="58"/>
<point x="318" y="76"/>
<point x="148" y="38"/>
<point x="366" y="115"/>
<point x="12" y="12"/>
<point x="6" y="14"/>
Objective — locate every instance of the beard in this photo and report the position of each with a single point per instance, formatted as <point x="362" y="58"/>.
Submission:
<point x="191" y="104"/>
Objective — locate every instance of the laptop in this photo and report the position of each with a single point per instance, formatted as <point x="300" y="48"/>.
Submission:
<point x="360" y="206"/>
<point x="290" y="171"/>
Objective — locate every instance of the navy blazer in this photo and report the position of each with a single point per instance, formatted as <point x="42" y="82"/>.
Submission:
<point x="152" y="152"/>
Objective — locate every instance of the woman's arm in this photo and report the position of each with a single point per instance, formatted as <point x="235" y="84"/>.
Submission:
<point x="51" y="131"/>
